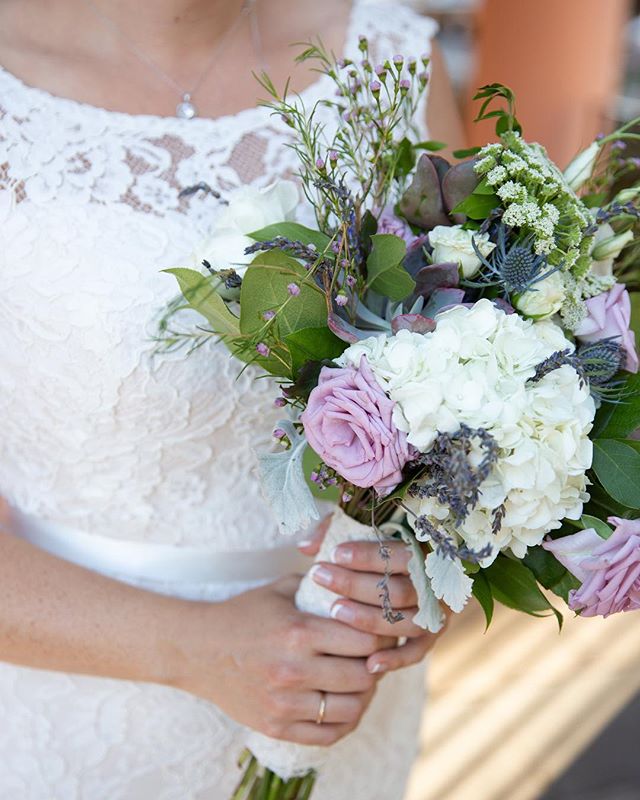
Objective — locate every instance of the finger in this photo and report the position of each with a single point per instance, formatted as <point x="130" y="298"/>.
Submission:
<point x="370" y="619"/>
<point x="410" y="653"/>
<point x="339" y="675"/>
<point x="366" y="557"/>
<point x="311" y="545"/>
<point x="364" y="586"/>
<point x="327" y="637"/>
<point x="311" y="734"/>
<point x="305" y="706"/>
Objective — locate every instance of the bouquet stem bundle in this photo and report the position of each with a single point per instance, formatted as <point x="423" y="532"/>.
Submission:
<point x="260" y="783"/>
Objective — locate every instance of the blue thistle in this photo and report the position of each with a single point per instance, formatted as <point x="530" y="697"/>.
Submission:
<point x="601" y="361"/>
<point x="515" y="266"/>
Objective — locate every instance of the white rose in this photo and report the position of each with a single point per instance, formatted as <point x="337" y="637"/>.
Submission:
<point x="249" y="210"/>
<point x="544" y="298"/>
<point x="454" y="244"/>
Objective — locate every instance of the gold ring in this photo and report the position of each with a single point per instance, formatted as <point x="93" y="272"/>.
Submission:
<point x="321" y="708"/>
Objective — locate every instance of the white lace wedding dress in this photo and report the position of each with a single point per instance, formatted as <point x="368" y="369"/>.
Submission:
<point x="96" y="438"/>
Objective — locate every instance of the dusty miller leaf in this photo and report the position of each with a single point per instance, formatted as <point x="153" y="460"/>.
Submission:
<point x="284" y="485"/>
<point x="430" y="616"/>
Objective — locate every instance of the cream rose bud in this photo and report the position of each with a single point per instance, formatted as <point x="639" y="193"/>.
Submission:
<point x="249" y="210"/>
<point x="544" y="298"/>
<point x="454" y="244"/>
<point x="579" y="170"/>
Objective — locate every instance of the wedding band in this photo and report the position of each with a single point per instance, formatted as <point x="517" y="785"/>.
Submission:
<point x="322" y="708"/>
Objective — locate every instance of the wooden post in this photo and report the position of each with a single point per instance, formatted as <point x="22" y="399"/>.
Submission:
<point x="563" y="59"/>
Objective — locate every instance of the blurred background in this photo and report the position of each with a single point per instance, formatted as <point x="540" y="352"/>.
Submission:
<point x="521" y="712"/>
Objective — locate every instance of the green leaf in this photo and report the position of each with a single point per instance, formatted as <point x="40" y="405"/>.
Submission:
<point x="549" y="572"/>
<point x="313" y="344"/>
<point x="264" y="288"/>
<point x="618" y="420"/>
<point x="432" y="146"/>
<point x="295" y="232"/>
<point x="477" y="206"/>
<point x="201" y="297"/>
<point x="515" y="586"/>
<point x="635" y="313"/>
<point x="617" y="465"/>
<point x="482" y="592"/>
<point x="600" y="527"/>
<point x="468" y="152"/>
<point x="405" y="158"/>
<point x="385" y="272"/>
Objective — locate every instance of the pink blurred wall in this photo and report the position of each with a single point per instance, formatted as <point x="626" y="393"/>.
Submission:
<point x="563" y="58"/>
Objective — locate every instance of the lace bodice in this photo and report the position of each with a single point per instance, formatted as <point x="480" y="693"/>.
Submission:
<point x="95" y="433"/>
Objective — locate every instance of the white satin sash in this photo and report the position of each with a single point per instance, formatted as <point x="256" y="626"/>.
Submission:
<point x="162" y="563"/>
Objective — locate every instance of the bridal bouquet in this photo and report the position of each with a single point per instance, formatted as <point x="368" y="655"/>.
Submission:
<point x="453" y="350"/>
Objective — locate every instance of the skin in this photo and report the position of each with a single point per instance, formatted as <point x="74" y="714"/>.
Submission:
<point x="255" y="656"/>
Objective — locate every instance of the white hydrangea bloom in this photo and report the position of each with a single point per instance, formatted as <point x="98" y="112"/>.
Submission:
<point x="475" y="369"/>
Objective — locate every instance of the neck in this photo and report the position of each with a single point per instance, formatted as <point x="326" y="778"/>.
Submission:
<point x="173" y="25"/>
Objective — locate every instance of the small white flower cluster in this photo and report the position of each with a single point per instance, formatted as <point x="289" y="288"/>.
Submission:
<point x="475" y="369"/>
<point x="535" y="195"/>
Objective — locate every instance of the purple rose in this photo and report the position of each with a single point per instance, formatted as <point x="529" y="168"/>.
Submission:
<point x="608" y="568"/>
<point x="348" y="422"/>
<point x="388" y="222"/>
<point x="609" y="316"/>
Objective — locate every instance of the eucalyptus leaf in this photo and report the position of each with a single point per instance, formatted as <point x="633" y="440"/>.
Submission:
<point x="313" y="344"/>
<point x="385" y="273"/>
<point x="617" y="465"/>
<point x="430" y="615"/>
<point x="197" y="290"/>
<point x="284" y="485"/>
<point x="295" y="232"/>
<point x="264" y="288"/>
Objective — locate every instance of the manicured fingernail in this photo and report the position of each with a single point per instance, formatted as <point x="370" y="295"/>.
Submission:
<point x="305" y="543"/>
<point x="378" y="668"/>
<point x="343" y="613"/>
<point x="342" y="554"/>
<point x="321" y="575"/>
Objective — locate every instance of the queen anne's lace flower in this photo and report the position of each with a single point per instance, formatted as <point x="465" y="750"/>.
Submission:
<point x="476" y="369"/>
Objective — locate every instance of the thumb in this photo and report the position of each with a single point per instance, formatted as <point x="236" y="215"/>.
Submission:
<point x="311" y="545"/>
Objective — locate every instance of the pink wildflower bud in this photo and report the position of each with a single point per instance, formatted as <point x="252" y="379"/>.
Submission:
<point x="262" y="349"/>
<point x="293" y="289"/>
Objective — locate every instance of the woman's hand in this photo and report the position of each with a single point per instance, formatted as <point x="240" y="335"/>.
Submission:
<point x="355" y="574"/>
<point x="266" y="664"/>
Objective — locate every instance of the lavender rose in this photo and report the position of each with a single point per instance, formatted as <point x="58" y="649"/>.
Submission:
<point x="608" y="568"/>
<point x="388" y="222"/>
<point x="609" y="316"/>
<point x="348" y="422"/>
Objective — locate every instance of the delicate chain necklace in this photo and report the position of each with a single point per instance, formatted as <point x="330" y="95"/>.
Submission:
<point x="186" y="108"/>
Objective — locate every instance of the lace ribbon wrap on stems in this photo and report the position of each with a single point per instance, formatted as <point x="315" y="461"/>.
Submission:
<point x="286" y="759"/>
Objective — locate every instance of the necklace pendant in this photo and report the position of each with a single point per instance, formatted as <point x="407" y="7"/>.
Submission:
<point x="185" y="108"/>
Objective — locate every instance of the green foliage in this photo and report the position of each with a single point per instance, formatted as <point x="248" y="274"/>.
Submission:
<point x="199" y="294"/>
<point x="482" y="592"/>
<point x="515" y="586"/>
<point x="549" y="572"/>
<point x="618" y="420"/>
<point x="468" y="152"/>
<point x="600" y="527"/>
<point x="617" y="466"/>
<point x="313" y="344"/>
<point x="385" y="273"/>
<point x="477" y="205"/>
<point x="506" y="118"/>
<point x="295" y="232"/>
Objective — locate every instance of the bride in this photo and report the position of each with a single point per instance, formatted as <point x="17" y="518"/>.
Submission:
<point x="146" y="598"/>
